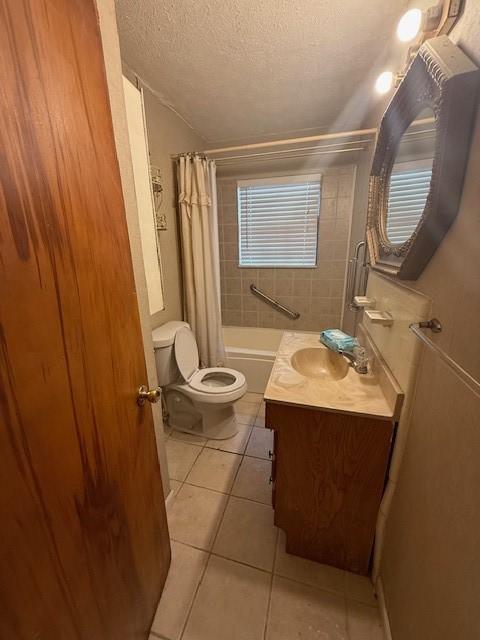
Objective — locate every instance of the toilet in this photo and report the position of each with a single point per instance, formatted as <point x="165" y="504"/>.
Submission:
<point x="198" y="401"/>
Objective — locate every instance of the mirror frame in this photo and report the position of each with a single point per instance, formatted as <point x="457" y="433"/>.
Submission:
<point x="443" y="78"/>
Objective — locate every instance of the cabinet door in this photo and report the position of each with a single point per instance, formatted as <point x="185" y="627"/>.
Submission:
<point x="329" y="477"/>
<point x="274" y="467"/>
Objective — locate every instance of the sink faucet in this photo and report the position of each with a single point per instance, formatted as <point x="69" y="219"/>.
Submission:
<point x="357" y="359"/>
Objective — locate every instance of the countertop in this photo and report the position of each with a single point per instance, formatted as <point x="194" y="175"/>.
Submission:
<point x="375" y="394"/>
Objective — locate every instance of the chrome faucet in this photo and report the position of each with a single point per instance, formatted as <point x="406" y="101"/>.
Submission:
<point x="357" y="359"/>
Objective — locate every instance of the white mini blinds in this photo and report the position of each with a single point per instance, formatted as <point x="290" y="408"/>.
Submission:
<point x="406" y="201"/>
<point x="278" y="221"/>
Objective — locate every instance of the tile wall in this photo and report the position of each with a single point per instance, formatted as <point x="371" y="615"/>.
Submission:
<point x="317" y="294"/>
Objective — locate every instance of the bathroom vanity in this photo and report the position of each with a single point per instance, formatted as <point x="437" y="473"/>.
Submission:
<point x="333" y="432"/>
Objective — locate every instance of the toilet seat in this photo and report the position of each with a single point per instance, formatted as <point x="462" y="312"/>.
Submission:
<point x="218" y="382"/>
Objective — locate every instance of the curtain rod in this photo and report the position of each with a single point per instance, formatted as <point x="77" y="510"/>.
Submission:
<point x="315" y="149"/>
<point x="255" y="157"/>
<point x="323" y="136"/>
<point x="275" y="143"/>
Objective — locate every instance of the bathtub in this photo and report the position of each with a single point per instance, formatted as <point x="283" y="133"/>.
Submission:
<point x="252" y="351"/>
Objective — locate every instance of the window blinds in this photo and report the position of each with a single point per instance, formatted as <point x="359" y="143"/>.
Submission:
<point x="278" y="221"/>
<point x="406" y="202"/>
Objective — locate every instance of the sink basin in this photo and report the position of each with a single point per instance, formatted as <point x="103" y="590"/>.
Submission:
<point x="318" y="362"/>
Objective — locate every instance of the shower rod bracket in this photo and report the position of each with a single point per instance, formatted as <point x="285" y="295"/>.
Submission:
<point x="434" y="325"/>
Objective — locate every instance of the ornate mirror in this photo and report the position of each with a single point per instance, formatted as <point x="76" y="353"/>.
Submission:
<point x="420" y="159"/>
<point x="410" y="180"/>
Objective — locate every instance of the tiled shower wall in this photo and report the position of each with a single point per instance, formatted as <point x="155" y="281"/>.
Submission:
<point x="317" y="293"/>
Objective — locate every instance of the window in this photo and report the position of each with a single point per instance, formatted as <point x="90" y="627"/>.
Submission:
<point x="278" y="221"/>
<point x="409" y="187"/>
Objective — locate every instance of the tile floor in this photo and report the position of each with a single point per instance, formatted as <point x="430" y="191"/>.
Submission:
<point x="230" y="577"/>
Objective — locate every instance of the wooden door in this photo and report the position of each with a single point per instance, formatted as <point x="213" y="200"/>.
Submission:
<point x="84" y="546"/>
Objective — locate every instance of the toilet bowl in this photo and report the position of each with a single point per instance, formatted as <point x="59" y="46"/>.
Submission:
<point x="199" y="401"/>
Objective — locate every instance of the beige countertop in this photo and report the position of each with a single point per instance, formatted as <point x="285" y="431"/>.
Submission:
<point x="375" y="394"/>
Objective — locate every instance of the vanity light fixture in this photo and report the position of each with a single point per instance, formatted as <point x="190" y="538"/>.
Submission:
<point x="409" y="25"/>
<point x="384" y="82"/>
<point x="417" y="26"/>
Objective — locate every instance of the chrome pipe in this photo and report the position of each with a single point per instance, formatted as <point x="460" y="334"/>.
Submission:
<point x="273" y="303"/>
<point x="352" y="276"/>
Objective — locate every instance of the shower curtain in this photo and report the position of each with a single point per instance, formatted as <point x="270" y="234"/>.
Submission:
<point x="200" y="252"/>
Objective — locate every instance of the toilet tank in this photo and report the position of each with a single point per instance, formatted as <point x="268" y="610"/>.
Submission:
<point x="163" y="345"/>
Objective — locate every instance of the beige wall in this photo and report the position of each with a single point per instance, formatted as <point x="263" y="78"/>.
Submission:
<point x="431" y="563"/>
<point x="108" y="28"/>
<point x="317" y="294"/>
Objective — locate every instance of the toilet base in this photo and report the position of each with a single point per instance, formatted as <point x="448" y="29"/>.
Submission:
<point x="227" y="430"/>
<point x="219" y="423"/>
<point x="211" y="421"/>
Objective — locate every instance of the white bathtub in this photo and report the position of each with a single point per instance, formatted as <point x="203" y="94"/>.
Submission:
<point x="252" y="351"/>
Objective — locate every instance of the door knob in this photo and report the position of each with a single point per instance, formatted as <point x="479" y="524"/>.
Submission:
<point x="144" y="394"/>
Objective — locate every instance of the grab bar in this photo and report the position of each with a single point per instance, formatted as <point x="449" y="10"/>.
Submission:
<point x="352" y="276"/>
<point x="273" y="303"/>
<point x="436" y="327"/>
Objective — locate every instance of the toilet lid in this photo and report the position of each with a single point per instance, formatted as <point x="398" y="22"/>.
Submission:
<point x="186" y="353"/>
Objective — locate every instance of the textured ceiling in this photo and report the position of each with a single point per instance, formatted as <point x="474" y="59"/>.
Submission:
<point x="240" y="70"/>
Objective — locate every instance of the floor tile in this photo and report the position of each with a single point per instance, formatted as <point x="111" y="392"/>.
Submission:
<point x="215" y="470"/>
<point x="245" y="418"/>
<point x="175" y="486"/>
<point x="231" y="603"/>
<point x="299" y="611"/>
<point x="363" y="622"/>
<point x="260" y="443"/>
<point x="180" y="457"/>
<point x="253" y="397"/>
<point x="306" y="571"/>
<point x="261" y="411"/>
<point x="247" y="408"/>
<point x="185" y="572"/>
<point x="195" y="515"/>
<point x="247" y="533"/>
<point x="252" y="480"/>
<point x="260" y="421"/>
<point x="192" y="438"/>
<point x="237" y="444"/>
<point x="359" y="588"/>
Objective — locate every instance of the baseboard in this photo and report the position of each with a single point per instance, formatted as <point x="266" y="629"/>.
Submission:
<point x="169" y="500"/>
<point x="383" y="609"/>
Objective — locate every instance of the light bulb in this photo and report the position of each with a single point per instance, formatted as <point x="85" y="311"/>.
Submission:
<point x="409" y="25"/>
<point x="384" y="82"/>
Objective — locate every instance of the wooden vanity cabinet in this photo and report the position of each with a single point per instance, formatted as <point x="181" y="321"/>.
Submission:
<point x="328" y="475"/>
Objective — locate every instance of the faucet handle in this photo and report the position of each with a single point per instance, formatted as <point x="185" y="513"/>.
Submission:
<point x="360" y="354"/>
<point x="361" y="359"/>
